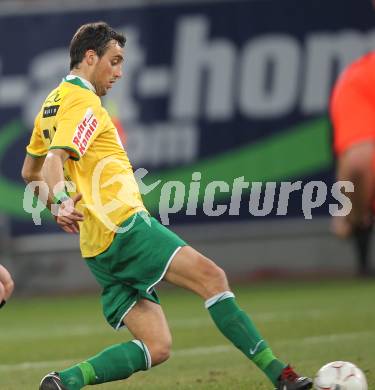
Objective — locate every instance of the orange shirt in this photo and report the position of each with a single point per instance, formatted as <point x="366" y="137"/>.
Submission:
<point x="352" y="105"/>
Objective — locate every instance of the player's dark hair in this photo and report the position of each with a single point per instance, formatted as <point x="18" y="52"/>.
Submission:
<point x="92" y="36"/>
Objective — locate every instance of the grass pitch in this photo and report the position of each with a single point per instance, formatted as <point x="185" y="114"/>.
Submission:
<point x="306" y="324"/>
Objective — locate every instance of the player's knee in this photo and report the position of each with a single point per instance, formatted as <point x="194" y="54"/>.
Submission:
<point x="214" y="278"/>
<point x="220" y="277"/>
<point x="160" y="352"/>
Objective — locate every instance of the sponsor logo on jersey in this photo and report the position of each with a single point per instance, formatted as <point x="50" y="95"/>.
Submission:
<point x="84" y="131"/>
<point x="50" y="111"/>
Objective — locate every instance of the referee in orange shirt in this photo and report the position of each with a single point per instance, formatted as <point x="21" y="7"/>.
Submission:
<point x="352" y="110"/>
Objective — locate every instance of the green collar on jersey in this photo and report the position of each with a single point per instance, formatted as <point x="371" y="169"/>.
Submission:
<point x="75" y="80"/>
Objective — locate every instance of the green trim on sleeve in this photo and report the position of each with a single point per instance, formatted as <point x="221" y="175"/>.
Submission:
<point x="36" y="155"/>
<point x="75" y="158"/>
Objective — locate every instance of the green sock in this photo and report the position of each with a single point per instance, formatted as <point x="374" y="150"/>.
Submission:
<point x="237" y="326"/>
<point x="114" y="363"/>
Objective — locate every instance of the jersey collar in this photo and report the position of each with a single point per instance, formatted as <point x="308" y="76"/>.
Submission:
<point x="80" y="81"/>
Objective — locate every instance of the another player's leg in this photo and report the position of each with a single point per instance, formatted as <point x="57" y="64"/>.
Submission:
<point x="357" y="165"/>
<point x="362" y="241"/>
<point x="191" y="270"/>
<point x="150" y="347"/>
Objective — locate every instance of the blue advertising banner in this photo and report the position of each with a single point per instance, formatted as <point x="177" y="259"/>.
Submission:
<point x="231" y="89"/>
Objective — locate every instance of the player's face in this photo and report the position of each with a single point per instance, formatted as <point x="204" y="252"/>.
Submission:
<point x="108" y="68"/>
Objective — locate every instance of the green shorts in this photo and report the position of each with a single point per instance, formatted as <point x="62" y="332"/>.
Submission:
<point x="133" y="264"/>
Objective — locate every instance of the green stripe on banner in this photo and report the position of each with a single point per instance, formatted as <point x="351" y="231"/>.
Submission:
<point x="11" y="193"/>
<point x="11" y="198"/>
<point x="297" y="152"/>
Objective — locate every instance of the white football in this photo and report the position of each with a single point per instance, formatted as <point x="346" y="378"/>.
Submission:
<point x="340" y="376"/>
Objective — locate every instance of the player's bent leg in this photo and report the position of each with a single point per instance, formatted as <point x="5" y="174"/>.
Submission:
<point x="151" y="346"/>
<point x="114" y="363"/>
<point x="147" y="322"/>
<point x="191" y="270"/>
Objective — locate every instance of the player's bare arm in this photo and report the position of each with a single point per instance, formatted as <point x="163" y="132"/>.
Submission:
<point x="32" y="168"/>
<point x="32" y="172"/>
<point x="53" y="174"/>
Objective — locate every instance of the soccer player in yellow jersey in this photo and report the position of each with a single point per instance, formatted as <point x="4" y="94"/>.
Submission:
<point x="127" y="251"/>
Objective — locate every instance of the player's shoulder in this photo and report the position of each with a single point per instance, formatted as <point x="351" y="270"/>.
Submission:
<point x="76" y="96"/>
<point x="53" y="97"/>
<point x="357" y="76"/>
<point x="359" y="69"/>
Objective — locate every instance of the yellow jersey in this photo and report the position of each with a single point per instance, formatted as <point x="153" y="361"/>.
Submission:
<point x="72" y="118"/>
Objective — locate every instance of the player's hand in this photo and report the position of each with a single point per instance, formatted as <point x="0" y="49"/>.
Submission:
<point x="68" y="216"/>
